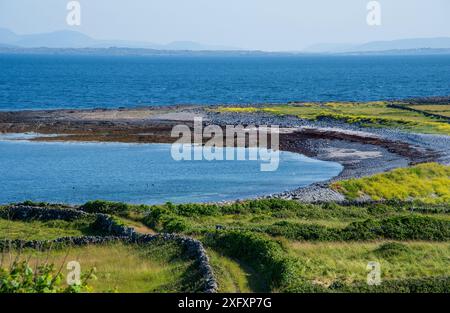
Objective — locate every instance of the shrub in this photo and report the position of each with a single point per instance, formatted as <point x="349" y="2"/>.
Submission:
<point x="301" y="231"/>
<point x="37" y="204"/>
<point x="396" y="228"/>
<point x="165" y="220"/>
<point x="21" y="278"/>
<point x="190" y="210"/>
<point x="106" y="207"/>
<point x="174" y="224"/>
<point x="391" y="249"/>
<point x="424" y="182"/>
<point x="265" y="255"/>
<point x="410" y="285"/>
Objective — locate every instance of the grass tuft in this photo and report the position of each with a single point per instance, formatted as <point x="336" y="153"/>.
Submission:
<point x="428" y="183"/>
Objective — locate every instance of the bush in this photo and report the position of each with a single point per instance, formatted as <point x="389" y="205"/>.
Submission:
<point x="411" y="285"/>
<point x="396" y="228"/>
<point x="391" y="249"/>
<point x="106" y="207"/>
<point x="262" y="253"/>
<point x="37" y="204"/>
<point x="399" y="228"/>
<point x="190" y="210"/>
<point x="163" y="219"/>
<point x="301" y="231"/>
<point x="21" y="278"/>
<point x="174" y="224"/>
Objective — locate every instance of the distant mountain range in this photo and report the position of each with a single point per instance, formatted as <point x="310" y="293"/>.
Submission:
<point x="74" y="40"/>
<point x="378" y="46"/>
<point x="71" y="41"/>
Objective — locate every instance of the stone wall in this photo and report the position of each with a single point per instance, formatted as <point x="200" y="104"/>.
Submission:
<point x="27" y="213"/>
<point x="117" y="233"/>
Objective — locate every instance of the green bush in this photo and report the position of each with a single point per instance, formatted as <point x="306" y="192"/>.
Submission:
<point x="21" y="278"/>
<point x="174" y="224"/>
<point x="302" y="231"/>
<point x="262" y="253"/>
<point x="399" y="228"/>
<point x="411" y="285"/>
<point x="276" y="208"/>
<point x="106" y="207"/>
<point x="36" y="204"/>
<point x="163" y="219"/>
<point x="396" y="228"/>
<point x="190" y="210"/>
<point x="391" y="249"/>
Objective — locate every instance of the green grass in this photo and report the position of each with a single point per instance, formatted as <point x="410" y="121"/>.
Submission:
<point x="439" y="109"/>
<point x="428" y="183"/>
<point x="37" y="230"/>
<point x="369" y="114"/>
<point x="234" y="276"/>
<point x="256" y="251"/>
<point x="158" y="267"/>
<point x="324" y="263"/>
<point x="402" y="227"/>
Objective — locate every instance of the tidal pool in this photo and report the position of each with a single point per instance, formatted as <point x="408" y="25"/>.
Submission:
<point x="141" y="173"/>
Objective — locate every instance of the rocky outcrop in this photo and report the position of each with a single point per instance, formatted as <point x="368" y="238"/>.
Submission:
<point x="315" y="193"/>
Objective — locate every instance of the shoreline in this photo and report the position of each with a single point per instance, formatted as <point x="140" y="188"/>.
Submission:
<point x="361" y="152"/>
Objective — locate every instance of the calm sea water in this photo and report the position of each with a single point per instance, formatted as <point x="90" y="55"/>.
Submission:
<point x="39" y="82"/>
<point x="140" y="173"/>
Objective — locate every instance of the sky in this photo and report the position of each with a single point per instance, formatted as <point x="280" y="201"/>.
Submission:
<point x="271" y="25"/>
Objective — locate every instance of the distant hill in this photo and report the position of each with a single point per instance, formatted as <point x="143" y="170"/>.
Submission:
<point x="7" y="37"/>
<point x="115" y="51"/>
<point x="378" y="46"/>
<point x="72" y="39"/>
<point x="67" y="41"/>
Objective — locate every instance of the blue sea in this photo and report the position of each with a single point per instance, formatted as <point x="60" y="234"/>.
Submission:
<point x="50" y="81"/>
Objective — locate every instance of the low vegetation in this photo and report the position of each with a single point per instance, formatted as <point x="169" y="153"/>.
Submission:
<point x="437" y="109"/>
<point x="369" y="114"/>
<point x="233" y="275"/>
<point x="427" y="183"/>
<point x="158" y="267"/>
<point x="326" y="263"/>
<point x="37" y="230"/>
<point x="397" y="228"/>
<point x="265" y="255"/>
<point x="21" y="277"/>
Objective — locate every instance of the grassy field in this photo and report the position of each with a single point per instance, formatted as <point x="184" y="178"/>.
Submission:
<point x="127" y="268"/>
<point x="425" y="182"/>
<point x="36" y="230"/>
<point x="234" y="276"/>
<point x="275" y="245"/>
<point x="370" y="114"/>
<point x="281" y="245"/>
<point x="325" y="263"/>
<point x="439" y="109"/>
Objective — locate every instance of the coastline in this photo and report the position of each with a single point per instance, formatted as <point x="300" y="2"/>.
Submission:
<point x="361" y="151"/>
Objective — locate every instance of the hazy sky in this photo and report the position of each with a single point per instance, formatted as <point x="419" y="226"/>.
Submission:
<point x="247" y="24"/>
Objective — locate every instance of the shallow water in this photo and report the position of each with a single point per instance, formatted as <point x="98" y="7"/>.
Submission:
<point x="140" y="173"/>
